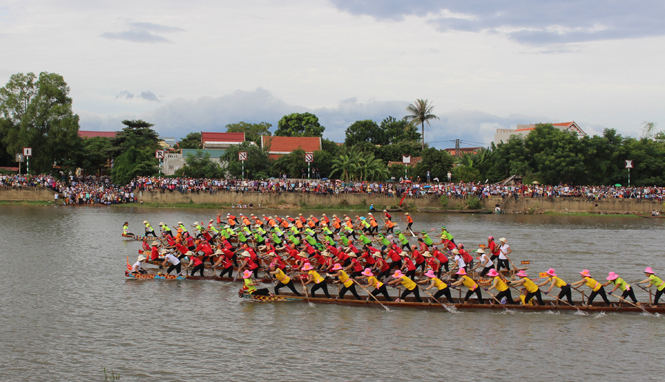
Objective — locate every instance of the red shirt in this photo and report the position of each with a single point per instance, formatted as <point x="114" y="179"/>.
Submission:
<point x="394" y="256"/>
<point x="417" y="257"/>
<point x="382" y="264"/>
<point x="196" y="260"/>
<point x="154" y="253"/>
<point x="369" y="259"/>
<point x="181" y="248"/>
<point x="342" y="256"/>
<point x="466" y="256"/>
<point x="357" y="266"/>
<point x="205" y="248"/>
<point x="440" y="256"/>
<point x="170" y="240"/>
<point x="433" y="264"/>
<point x="494" y="248"/>
<point x="409" y="264"/>
<point x="251" y="264"/>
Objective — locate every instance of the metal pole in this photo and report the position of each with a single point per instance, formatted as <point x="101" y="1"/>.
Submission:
<point x="243" y="169"/>
<point x="308" y="168"/>
<point x="27" y="166"/>
<point x="629" y="177"/>
<point x="405" y="176"/>
<point x="19" y="167"/>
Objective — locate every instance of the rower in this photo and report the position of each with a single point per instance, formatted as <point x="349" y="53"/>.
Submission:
<point x="469" y="283"/>
<point x="596" y="288"/>
<point x="557" y="282"/>
<point x="165" y="229"/>
<point x="408" y="284"/>
<point x="174" y="264"/>
<point x="447" y="235"/>
<point x="501" y="286"/>
<point x="468" y="259"/>
<point x="442" y="287"/>
<point x="249" y="263"/>
<point x="403" y="240"/>
<point x="282" y="279"/>
<point x="493" y="248"/>
<point x="250" y="286"/>
<point x="138" y="265"/>
<point x="409" y="221"/>
<point x="442" y="259"/>
<point x="620" y="284"/>
<point x="531" y="287"/>
<point x="125" y="230"/>
<point x="427" y="240"/>
<point x="656" y="281"/>
<point x="459" y="263"/>
<point x="483" y="261"/>
<point x="198" y="264"/>
<point x="148" y="229"/>
<point x="348" y="283"/>
<point x="154" y="250"/>
<point x="373" y="224"/>
<point x="381" y="266"/>
<point x="408" y="265"/>
<point x="504" y="251"/>
<point x="224" y="259"/>
<point x="379" y="287"/>
<point x="314" y="277"/>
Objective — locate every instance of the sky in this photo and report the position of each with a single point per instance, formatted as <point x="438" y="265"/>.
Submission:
<point x="200" y="65"/>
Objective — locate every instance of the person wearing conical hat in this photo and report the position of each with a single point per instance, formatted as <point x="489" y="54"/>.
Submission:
<point x="484" y="262"/>
<point x="224" y="259"/>
<point x="557" y="282"/>
<point x="408" y="284"/>
<point x="314" y="277"/>
<point x="138" y="265"/>
<point x="345" y="280"/>
<point x="174" y="263"/>
<point x="619" y="283"/>
<point x="409" y="221"/>
<point x="595" y="286"/>
<point x="165" y="229"/>
<point x="249" y="263"/>
<point x="442" y="287"/>
<point x="654" y="281"/>
<point x="148" y="229"/>
<point x="470" y="284"/>
<point x="531" y="287"/>
<point x="504" y="251"/>
<point x="194" y="260"/>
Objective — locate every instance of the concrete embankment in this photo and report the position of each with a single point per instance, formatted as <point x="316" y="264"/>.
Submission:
<point x="521" y="205"/>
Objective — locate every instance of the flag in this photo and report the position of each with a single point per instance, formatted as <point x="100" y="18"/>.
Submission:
<point x="129" y="267"/>
<point x="404" y="196"/>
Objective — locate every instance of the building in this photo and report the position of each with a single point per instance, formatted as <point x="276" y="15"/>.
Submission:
<point x="221" y="140"/>
<point x="175" y="160"/>
<point x="280" y="146"/>
<point x="502" y="135"/>
<point x="463" y="150"/>
<point x="167" y="142"/>
<point x="92" y="134"/>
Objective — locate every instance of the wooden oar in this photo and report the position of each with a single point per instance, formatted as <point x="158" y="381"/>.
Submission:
<point x="626" y="301"/>
<point x="371" y="295"/>
<point x="306" y="293"/>
<point x="583" y="295"/>
<point x="648" y="291"/>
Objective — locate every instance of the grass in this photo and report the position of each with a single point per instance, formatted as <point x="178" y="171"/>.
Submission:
<point x="554" y="213"/>
<point x="174" y="205"/>
<point x="27" y="202"/>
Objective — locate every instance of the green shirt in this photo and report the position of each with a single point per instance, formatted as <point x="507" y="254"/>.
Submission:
<point x="655" y="280"/>
<point x="427" y="239"/>
<point x="403" y="239"/>
<point x="621" y="284"/>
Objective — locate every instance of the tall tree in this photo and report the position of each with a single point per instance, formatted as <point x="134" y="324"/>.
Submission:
<point x="253" y="131"/>
<point x="134" y="151"/>
<point x="395" y="131"/>
<point x="256" y="166"/>
<point x="421" y="112"/>
<point x="299" y="125"/>
<point x="37" y="112"/>
<point x="364" y="131"/>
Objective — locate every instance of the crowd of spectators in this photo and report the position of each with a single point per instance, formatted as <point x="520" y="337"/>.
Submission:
<point x="100" y="190"/>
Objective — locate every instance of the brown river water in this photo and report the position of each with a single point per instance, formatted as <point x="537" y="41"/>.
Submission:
<point x="67" y="311"/>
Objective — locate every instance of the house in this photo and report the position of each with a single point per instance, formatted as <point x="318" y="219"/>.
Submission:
<point x="502" y="135"/>
<point x="221" y="140"/>
<point x="92" y="134"/>
<point x="280" y="146"/>
<point x="463" y="150"/>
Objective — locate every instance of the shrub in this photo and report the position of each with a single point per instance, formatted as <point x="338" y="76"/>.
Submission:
<point x="473" y="203"/>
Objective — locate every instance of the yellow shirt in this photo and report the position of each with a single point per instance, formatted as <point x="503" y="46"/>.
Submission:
<point x="439" y="284"/>
<point x="374" y="282"/>
<point x="558" y="282"/>
<point x="344" y="278"/>
<point x="500" y="284"/>
<point x="282" y="277"/>
<point x="407" y="283"/>
<point x="523" y="297"/>
<point x="315" y="276"/>
<point x="591" y="283"/>
<point x="530" y="286"/>
<point x="469" y="283"/>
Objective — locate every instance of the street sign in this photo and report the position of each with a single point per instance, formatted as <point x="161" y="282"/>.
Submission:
<point x="159" y="154"/>
<point x="629" y="163"/>
<point x="27" y="151"/>
<point x="309" y="157"/>
<point x="242" y="156"/>
<point x="19" y="158"/>
<point x="406" y="159"/>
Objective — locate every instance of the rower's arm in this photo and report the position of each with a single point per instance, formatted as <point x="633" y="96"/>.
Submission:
<point x="543" y="283"/>
<point x="644" y="282"/>
<point x="577" y="283"/>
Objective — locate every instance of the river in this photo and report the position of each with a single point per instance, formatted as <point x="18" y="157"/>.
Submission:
<point x="67" y="311"/>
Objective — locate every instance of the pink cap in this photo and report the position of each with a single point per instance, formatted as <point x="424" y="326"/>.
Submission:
<point x="307" y="267"/>
<point x="492" y="273"/>
<point x="337" y="267"/>
<point x="462" y="271"/>
<point x="367" y="272"/>
<point x="649" y="270"/>
<point x="430" y="274"/>
<point x="585" y="273"/>
<point x="551" y="272"/>
<point x="246" y="274"/>
<point x="612" y="276"/>
<point x="521" y="274"/>
<point x="398" y="274"/>
<point x="490" y="238"/>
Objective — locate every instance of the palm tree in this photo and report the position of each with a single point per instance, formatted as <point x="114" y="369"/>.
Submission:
<point x="421" y="112"/>
<point x="345" y="164"/>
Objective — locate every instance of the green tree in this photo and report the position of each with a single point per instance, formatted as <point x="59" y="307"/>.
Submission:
<point x="134" y="151"/>
<point x="395" y="131"/>
<point x="253" y="131"/>
<point x="95" y="154"/>
<point x="257" y="165"/>
<point x="437" y="162"/>
<point x="37" y="112"/>
<point x="364" y="131"/>
<point x="421" y="112"/>
<point x="191" y="141"/>
<point x="395" y="152"/>
<point x="292" y="164"/>
<point x="199" y="165"/>
<point x="299" y="125"/>
<point x="345" y="166"/>
<point x="330" y="147"/>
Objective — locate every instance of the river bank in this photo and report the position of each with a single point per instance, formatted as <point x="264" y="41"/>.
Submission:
<point x="358" y="202"/>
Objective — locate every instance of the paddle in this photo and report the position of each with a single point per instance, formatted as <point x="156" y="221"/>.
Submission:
<point x="626" y="301"/>
<point x="373" y="296"/>
<point x="304" y="288"/>
<point x="646" y="290"/>
<point x="583" y="295"/>
<point x="558" y="299"/>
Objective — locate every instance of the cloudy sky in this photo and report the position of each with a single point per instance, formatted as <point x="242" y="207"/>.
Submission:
<point x="199" y="65"/>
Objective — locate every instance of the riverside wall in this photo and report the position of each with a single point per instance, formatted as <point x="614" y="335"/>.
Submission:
<point x="521" y="205"/>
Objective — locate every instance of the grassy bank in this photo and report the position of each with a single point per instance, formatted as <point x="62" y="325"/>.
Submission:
<point x="344" y="207"/>
<point x="27" y="202"/>
<point x="555" y="213"/>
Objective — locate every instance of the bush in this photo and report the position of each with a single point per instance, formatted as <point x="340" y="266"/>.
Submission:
<point x="473" y="203"/>
<point x="444" y="200"/>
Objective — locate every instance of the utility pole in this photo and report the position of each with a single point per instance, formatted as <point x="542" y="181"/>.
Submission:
<point x="457" y="153"/>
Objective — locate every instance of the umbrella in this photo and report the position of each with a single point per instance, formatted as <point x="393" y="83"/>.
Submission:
<point x="427" y="187"/>
<point x="535" y="182"/>
<point x="324" y="178"/>
<point x="617" y="185"/>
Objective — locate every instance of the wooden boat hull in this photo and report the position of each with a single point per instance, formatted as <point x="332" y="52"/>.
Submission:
<point x="472" y="305"/>
<point x="132" y="276"/>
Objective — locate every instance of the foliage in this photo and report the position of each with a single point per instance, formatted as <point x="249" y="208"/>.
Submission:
<point x="200" y="165"/>
<point x="253" y="131"/>
<point x="95" y="154"/>
<point x="257" y="163"/>
<point x="473" y="203"/>
<point x="357" y="165"/>
<point x="438" y="162"/>
<point x="134" y="162"/>
<point x="299" y="125"/>
<point x="464" y="173"/>
<point x="421" y="112"/>
<point x="396" y="131"/>
<point x="323" y="162"/>
<point x="330" y="147"/>
<point x="394" y="152"/>
<point x="37" y="112"/>
<point x="443" y="199"/>
<point x="364" y="131"/>
<point x="191" y="141"/>
<point x="292" y="164"/>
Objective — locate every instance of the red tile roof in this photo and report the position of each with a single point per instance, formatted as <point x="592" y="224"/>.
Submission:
<point x="285" y="145"/>
<point x="220" y="138"/>
<point x="92" y="134"/>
